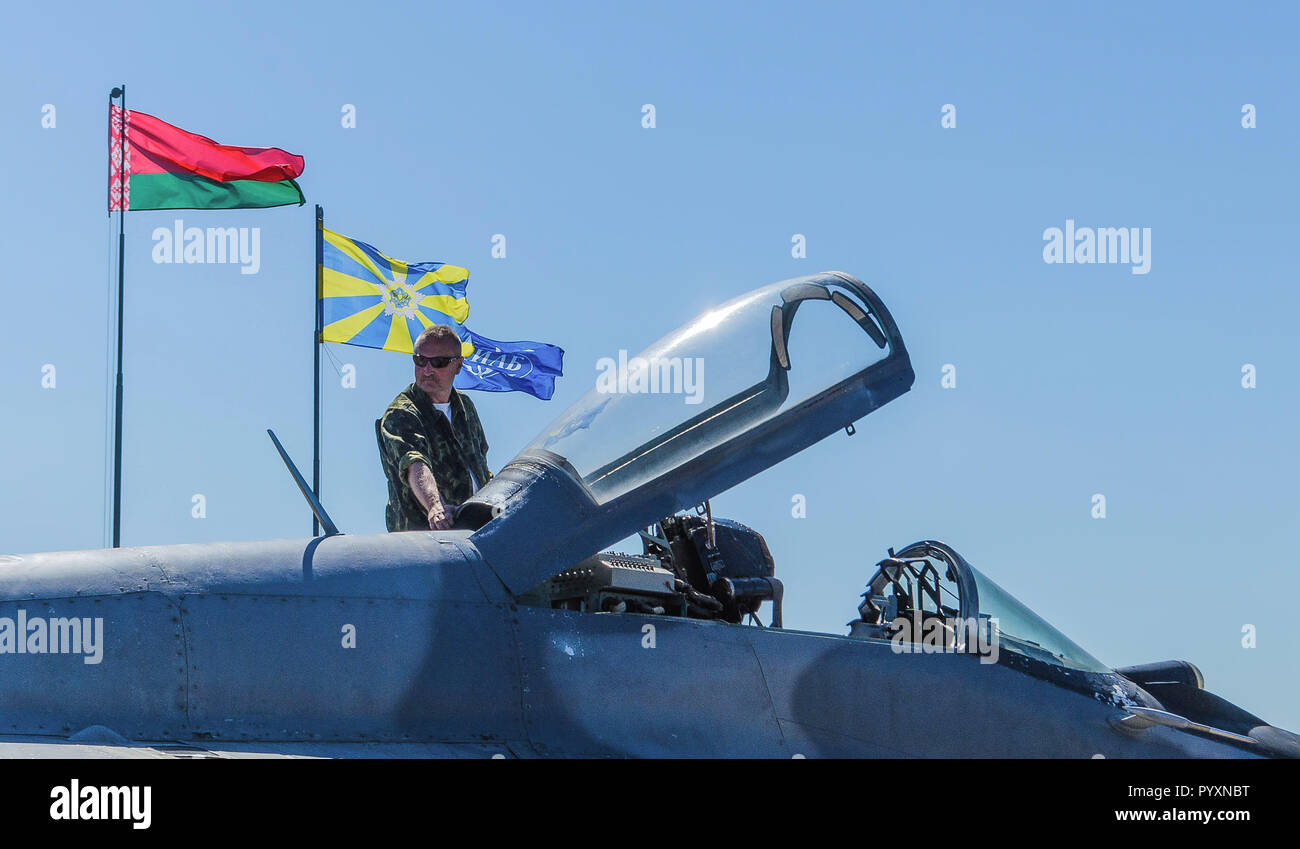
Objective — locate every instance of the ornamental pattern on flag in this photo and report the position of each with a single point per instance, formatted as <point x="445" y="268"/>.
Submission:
<point x="119" y="190"/>
<point x="375" y="301"/>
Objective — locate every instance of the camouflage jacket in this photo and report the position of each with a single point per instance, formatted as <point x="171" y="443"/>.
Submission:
<point x="413" y="429"/>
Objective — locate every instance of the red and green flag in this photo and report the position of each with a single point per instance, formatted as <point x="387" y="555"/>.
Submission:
<point x="165" y="167"/>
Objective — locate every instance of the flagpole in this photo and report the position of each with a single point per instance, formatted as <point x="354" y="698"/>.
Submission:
<point x="121" y="289"/>
<point x="315" y="384"/>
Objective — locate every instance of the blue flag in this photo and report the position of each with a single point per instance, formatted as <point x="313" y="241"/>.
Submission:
<point x="510" y="366"/>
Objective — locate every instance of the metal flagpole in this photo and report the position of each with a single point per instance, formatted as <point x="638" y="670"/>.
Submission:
<point x="121" y="268"/>
<point x="315" y="385"/>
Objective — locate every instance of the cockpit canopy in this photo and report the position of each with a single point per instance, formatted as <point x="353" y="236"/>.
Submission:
<point x="929" y="580"/>
<point x="712" y="380"/>
<point x="732" y="392"/>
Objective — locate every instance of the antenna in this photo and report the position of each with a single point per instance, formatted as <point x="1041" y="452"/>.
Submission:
<point x="326" y="522"/>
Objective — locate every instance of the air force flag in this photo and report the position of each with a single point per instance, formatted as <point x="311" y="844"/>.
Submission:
<point x="510" y="366"/>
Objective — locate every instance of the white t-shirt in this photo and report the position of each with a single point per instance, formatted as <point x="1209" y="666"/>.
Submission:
<point x="446" y="411"/>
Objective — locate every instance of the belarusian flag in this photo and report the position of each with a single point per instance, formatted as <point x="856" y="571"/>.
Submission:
<point x="169" y="168"/>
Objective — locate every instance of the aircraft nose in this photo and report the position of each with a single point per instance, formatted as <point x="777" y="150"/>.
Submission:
<point x="1277" y="741"/>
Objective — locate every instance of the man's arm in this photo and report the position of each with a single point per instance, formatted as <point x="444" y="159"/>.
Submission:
<point x="425" y="489"/>
<point x="405" y="445"/>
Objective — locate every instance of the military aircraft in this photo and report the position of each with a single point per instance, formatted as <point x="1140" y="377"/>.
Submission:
<point x="515" y="635"/>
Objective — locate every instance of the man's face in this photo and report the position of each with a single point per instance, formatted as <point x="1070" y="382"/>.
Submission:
<point x="436" y="382"/>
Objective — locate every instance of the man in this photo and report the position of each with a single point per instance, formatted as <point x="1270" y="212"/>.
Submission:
<point x="431" y="442"/>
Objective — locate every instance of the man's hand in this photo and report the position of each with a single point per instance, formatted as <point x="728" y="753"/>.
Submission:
<point x="439" y="520"/>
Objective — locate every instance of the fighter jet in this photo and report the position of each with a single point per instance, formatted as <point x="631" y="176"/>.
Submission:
<point x="516" y="634"/>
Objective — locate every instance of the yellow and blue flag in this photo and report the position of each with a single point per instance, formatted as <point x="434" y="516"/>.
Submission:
<point x="375" y="301"/>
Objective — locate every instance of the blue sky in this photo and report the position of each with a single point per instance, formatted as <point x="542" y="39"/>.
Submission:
<point x="479" y="119"/>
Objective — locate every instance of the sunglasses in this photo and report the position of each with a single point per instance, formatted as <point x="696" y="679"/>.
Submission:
<point x="436" y="362"/>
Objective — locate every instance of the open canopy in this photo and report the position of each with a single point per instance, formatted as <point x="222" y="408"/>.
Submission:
<point x="734" y="391"/>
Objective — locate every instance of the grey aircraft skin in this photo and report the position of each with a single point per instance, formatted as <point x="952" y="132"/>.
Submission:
<point x="472" y="642"/>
